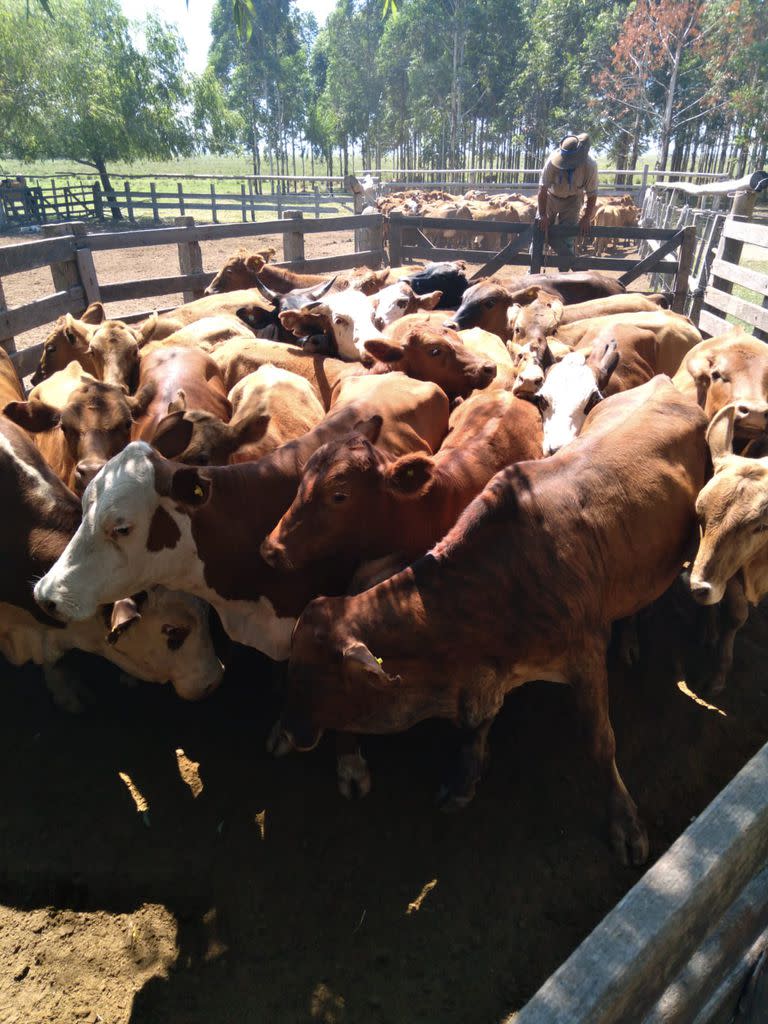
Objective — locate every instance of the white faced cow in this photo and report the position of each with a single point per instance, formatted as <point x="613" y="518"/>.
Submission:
<point x="398" y="300"/>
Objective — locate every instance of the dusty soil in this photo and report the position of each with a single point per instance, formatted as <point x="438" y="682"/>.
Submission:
<point x="267" y="897"/>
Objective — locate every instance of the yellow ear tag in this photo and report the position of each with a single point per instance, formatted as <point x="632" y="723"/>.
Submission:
<point x="380" y="661"/>
<point x="198" y="492"/>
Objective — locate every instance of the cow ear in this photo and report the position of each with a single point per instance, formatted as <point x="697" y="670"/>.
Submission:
<point x="173" y="435"/>
<point x="255" y="262"/>
<point x="249" y="430"/>
<point x="429" y="301"/>
<point x="411" y="476"/>
<point x="526" y="295"/>
<point x="361" y="666"/>
<point x="75" y="334"/>
<point x="190" y="487"/>
<point x="607" y="361"/>
<point x="513" y="312"/>
<point x="33" y="416"/>
<point x="291" y="319"/>
<point x="124" y="614"/>
<point x="370" y="428"/>
<point x="139" y="403"/>
<point x="384" y="351"/>
<point x="556" y="307"/>
<point x="145" y="331"/>
<point x="94" y="314"/>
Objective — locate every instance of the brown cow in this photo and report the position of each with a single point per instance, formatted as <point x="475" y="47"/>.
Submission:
<point x="536" y="319"/>
<point x="10" y="385"/>
<point x="151" y="520"/>
<point x="246" y="270"/>
<point x="357" y="504"/>
<point x="68" y="342"/>
<point x="483" y="612"/>
<point x="179" y="378"/>
<point x="269" y="408"/>
<point x="486" y="304"/>
<point x="249" y="305"/>
<point x="675" y="334"/>
<point x="82" y="424"/>
<point x="427" y="352"/>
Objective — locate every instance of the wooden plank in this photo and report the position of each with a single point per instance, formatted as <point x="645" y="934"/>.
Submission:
<point x="421" y="252"/>
<point x="463" y="224"/>
<point x="620" y="971"/>
<point x="146" y="288"/>
<point x="731" y="938"/>
<point x="712" y="325"/>
<point x="744" y="276"/>
<point x="746" y="231"/>
<point x="368" y="258"/>
<point x="190" y="259"/>
<point x="30" y="255"/>
<point x="751" y="314"/>
<point x="293" y="241"/>
<point x="615" y="263"/>
<point x="87" y="272"/>
<point x="27" y="359"/>
<point x="512" y="248"/>
<point x="41" y="311"/>
<point x="653" y="260"/>
<point x="685" y="259"/>
<point x="7" y="341"/>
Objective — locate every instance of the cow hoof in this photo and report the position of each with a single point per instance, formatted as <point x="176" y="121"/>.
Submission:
<point x="277" y="743"/>
<point x="449" y="801"/>
<point x="354" y="777"/>
<point x="629" y="840"/>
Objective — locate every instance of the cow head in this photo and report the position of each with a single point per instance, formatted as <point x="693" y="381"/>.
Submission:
<point x="483" y="305"/>
<point x="735" y="369"/>
<point x="162" y="636"/>
<point x="199" y="438"/>
<point x="95" y="424"/>
<point x="398" y="300"/>
<point x="332" y="509"/>
<point x="572" y="388"/>
<point x="134" y="534"/>
<point x="535" y="320"/>
<point x="733" y="514"/>
<point x="68" y="342"/>
<point x="426" y="352"/>
<point x="346" y="317"/>
<point x="240" y="271"/>
<point x="114" y="348"/>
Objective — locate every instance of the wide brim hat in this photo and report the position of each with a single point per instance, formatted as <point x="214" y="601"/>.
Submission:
<point x="572" y="152"/>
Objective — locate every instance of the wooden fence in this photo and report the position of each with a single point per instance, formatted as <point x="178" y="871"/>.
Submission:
<point x="38" y="204"/>
<point x="527" y="248"/>
<point x="69" y="253"/>
<point x="750" y="307"/>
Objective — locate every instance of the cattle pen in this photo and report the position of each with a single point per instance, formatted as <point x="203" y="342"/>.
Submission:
<point x="688" y="941"/>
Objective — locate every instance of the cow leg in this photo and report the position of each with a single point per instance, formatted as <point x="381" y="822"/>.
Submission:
<point x="459" y="790"/>
<point x="734" y="611"/>
<point x="352" y="772"/>
<point x="627" y="833"/>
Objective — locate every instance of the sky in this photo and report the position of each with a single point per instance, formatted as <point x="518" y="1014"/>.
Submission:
<point x="193" y="21"/>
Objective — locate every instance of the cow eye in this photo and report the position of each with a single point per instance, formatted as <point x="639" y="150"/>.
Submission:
<point x="489" y="303"/>
<point x="176" y="635"/>
<point x="402" y="303"/>
<point x="338" y="497"/>
<point x="120" y="531"/>
<point x="435" y="351"/>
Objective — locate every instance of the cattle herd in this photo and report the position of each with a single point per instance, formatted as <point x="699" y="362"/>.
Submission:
<point x="418" y="490"/>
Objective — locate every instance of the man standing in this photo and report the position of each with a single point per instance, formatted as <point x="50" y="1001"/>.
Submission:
<point x="569" y="174"/>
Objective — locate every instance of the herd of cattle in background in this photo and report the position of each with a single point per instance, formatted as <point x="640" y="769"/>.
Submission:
<point x="476" y="205"/>
<point x="422" y="492"/>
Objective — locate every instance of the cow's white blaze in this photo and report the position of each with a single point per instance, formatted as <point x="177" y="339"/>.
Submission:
<point x="351" y="315"/>
<point x="565" y="396"/>
<point x="392" y="303"/>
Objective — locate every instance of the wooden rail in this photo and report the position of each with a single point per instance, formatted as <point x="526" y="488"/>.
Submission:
<point x="70" y="256"/>
<point x="704" y="903"/>
<point x="719" y="300"/>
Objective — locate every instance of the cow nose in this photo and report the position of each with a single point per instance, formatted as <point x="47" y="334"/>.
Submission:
<point x="273" y="554"/>
<point x="452" y="325"/>
<point x="48" y="606"/>
<point x="85" y="471"/>
<point x="378" y="323"/>
<point x="700" y="590"/>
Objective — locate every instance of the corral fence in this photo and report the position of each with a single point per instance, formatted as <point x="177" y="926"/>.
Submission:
<point x="527" y="247"/>
<point x="70" y="247"/>
<point x="31" y="202"/>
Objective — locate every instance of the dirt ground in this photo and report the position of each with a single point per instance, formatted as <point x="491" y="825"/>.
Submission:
<point x="265" y="896"/>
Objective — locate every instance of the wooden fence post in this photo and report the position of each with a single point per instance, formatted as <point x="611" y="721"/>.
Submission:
<point x="190" y="258"/>
<point x="98" y="202"/>
<point x="293" y="241"/>
<point x="395" y="239"/>
<point x="317" y="202"/>
<point x="79" y="270"/>
<point x="153" y="200"/>
<point x="129" y="201"/>
<point x="643" y="185"/>
<point x="180" y="189"/>
<point x="8" y="342"/>
<point x="213" y="204"/>
<point x="684" y="264"/>
<point x="242" y="204"/>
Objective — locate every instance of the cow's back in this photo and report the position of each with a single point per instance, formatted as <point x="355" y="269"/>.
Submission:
<point x="10" y="385"/>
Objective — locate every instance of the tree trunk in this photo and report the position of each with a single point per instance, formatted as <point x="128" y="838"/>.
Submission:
<point x="106" y="184"/>
<point x="669" y="109"/>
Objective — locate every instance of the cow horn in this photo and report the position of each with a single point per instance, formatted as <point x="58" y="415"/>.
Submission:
<point x="268" y="294"/>
<point x="322" y="289"/>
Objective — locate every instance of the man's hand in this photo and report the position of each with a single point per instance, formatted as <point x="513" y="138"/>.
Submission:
<point x="584" y="225"/>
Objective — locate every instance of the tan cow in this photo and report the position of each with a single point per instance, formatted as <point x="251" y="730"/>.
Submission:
<point x="68" y="342"/>
<point x="10" y="385"/>
<point x="675" y="334"/>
